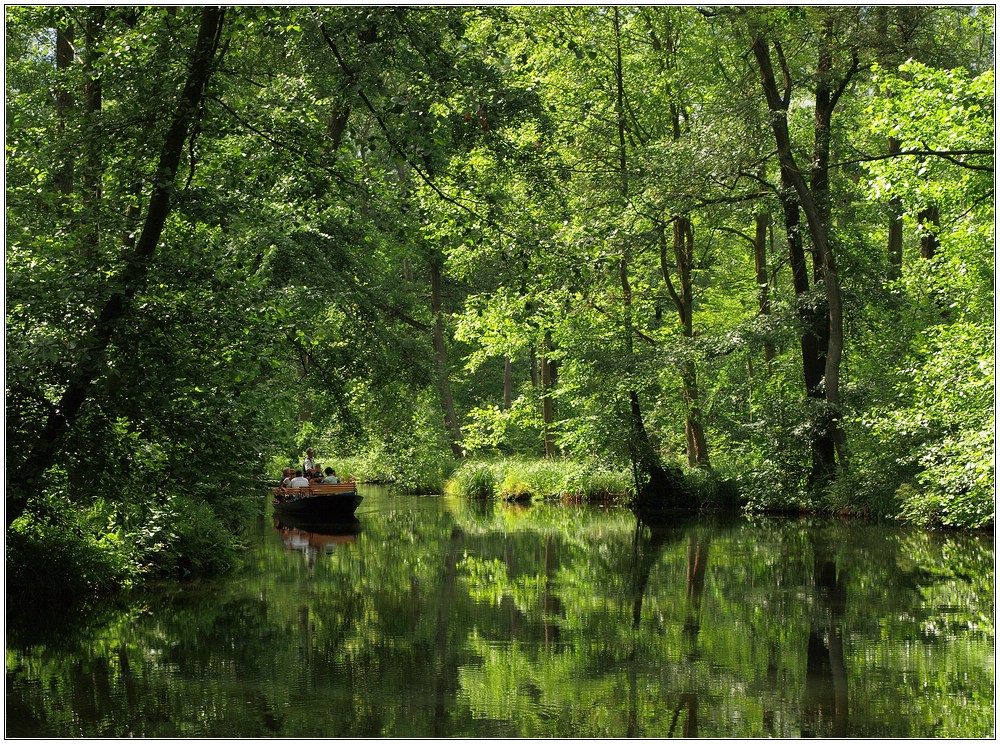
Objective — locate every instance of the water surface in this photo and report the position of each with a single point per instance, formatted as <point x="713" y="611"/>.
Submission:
<point x="433" y="617"/>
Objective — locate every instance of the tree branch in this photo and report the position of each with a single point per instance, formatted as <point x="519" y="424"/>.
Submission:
<point x="352" y="75"/>
<point x="949" y="155"/>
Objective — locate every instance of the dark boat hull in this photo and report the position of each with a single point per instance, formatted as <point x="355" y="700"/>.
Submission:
<point x="327" y="507"/>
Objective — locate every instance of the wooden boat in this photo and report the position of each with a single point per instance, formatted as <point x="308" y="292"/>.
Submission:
<point x="328" y="502"/>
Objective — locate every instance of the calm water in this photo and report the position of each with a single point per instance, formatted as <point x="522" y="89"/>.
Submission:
<point x="446" y="618"/>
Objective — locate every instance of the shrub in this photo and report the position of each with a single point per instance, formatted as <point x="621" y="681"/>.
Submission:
<point x="61" y="554"/>
<point x="474" y="480"/>
<point x="764" y="489"/>
<point x="712" y="490"/>
<point x="957" y="484"/>
<point x="186" y="537"/>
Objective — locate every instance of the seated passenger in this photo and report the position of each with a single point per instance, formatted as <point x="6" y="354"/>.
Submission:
<point x="316" y="476"/>
<point x="286" y="477"/>
<point x="298" y="481"/>
<point x="331" y="476"/>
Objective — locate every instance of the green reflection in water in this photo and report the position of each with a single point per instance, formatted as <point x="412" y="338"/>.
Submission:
<point x="433" y="617"/>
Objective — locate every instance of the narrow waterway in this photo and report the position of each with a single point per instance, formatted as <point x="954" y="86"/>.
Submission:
<point x="434" y="617"/>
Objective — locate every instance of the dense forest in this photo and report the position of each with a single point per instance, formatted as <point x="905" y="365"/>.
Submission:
<point x="702" y="255"/>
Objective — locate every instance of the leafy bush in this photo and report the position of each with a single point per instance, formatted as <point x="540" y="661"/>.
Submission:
<point x="712" y="490"/>
<point x="941" y="435"/>
<point x="60" y="554"/>
<point x="542" y="478"/>
<point x="957" y="483"/>
<point x="589" y="484"/>
<point x="186" y="537"/>
<point x="765" y="489"/>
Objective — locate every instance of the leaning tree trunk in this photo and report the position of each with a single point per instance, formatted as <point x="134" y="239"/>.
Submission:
<point x="650" y="476"/>
<point x="26" y="474"/>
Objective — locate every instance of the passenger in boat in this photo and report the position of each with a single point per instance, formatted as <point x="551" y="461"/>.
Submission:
<point x="331" y="476"/>
<point x="287" y="475"/>
<point x="310" y="462"/>
<point x="316" y="476"/>
<point x="298" y="481"/>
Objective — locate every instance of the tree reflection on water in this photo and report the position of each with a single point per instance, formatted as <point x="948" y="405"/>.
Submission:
<point x="429" y="616"/>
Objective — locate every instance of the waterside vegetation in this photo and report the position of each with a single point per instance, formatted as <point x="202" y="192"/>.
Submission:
<point x="720" y="257"/>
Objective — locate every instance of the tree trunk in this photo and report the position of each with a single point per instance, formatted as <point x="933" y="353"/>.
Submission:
<point x="26" y="475"/>
<point x="549" y="375"/>
<point x="93" y="168"/>
<point x="508" y="384"/>
<point x="666" y="47"/>
<point x="697" y="454"/>
<point x="683" y="245"/>
<point x="895" y="237"/>
<point x="814" y="207"/>
<point x="650" y="475"/>
<point x="65" y="101"/>
<point x="761" y="222"/>
<point x="929" y="220"/>
<point x="819" y="187"/>
<point x="812" y="335"/>
<point x="441" y="362"/>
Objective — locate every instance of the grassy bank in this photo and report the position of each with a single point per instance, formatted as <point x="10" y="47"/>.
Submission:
<point x="520" y="478"/>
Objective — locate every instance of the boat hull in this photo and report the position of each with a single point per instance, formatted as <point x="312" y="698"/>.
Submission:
<point x="326" y="507"/>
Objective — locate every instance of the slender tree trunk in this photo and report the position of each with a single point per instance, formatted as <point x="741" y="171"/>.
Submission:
<point x="549" y="375"/>
<point x="761" y="222"/>
<point x="65" y="101"/>
<point x="895" y="237"/>
<point x="441" y="361"/>
<point x="93" y="349"/>
<point x="508" y="384"/>
<point x="683" y="246"/>
<point x="93" y="167"/>
<point x="667" y="48"/>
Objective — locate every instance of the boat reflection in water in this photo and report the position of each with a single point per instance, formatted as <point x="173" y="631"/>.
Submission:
<point x="312" y="538"/>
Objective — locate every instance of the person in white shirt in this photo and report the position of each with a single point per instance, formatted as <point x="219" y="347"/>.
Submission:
<point x="310" y="462"/>
<point x="298" y="481"/>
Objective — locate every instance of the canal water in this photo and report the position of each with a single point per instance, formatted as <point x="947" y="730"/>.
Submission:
<point x="438" y="617"/>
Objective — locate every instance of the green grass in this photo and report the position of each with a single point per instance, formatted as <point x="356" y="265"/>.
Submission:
<point x="517" y="478"/>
